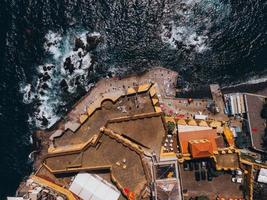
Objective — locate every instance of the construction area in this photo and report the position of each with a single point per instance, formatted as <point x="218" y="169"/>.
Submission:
<point x="132" y="138"/>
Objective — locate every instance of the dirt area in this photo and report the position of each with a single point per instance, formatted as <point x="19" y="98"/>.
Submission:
<point x="221" y="185"/>
<point x="228" y="160"/>
<point x="125" y="106"/>
<point x="148" y="132"/>
<point x="257" y="124"/>
<point x="105" y="155"/>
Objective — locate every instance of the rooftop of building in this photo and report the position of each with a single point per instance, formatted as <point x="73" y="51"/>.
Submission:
<point x="257" y="125"/>
<point x="113" y="136"/>
<point x="190" y="137"/>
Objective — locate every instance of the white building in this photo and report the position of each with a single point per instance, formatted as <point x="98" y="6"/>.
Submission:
<point x="92" y="187"/>
<point x="235" y="103"/>
<point x="201" y="117"/>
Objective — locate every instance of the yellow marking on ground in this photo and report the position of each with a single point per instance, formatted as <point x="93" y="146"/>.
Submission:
<point x="181" y="122"/>
<point x="215" y="124"/>
<point x="155" y="101"/>
<point x="169" y="119"/>
<point x="131" y="91"/>
<point x="203" y="123"/>
<point x="68" y="148"/>
<point x="158" y="109"/>
<point x="229" y="136"/>
<point x="83" y="118"/>
<point x="153" y="91"/>
<point x="90" y="110"/>
<point x="79" y="169"/>
<point x="192" y="122"/>
<point x="258" y="165"/>
<point x="53" y="186"/>
<point x="166" y="155"/>
<point x="144" y="87"/>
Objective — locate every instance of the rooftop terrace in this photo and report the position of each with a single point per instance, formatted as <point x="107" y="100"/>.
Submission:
<point x="115" y="131"/>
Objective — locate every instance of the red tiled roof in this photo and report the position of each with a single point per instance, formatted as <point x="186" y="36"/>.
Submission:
<point x="186" y="137"/>
<point x="200" y="148"/>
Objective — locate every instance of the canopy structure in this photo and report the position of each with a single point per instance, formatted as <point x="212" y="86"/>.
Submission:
<point x="262" y="178"/>
<point x="92" y="187"/>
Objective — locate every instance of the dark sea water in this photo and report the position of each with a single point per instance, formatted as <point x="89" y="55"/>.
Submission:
<point x="204" y="40"/>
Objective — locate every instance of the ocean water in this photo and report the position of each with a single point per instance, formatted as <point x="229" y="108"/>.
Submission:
<point x="53" y="51"/>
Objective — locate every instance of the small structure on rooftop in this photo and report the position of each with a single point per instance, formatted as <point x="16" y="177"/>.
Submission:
<point x="198" y="144"/>
<point x="200" y="148"/>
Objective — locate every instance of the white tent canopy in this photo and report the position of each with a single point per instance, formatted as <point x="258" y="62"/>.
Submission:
<point x="262" y="178"/>
<point x="92" y="187"/>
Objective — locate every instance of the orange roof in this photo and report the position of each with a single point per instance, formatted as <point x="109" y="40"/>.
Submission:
<point x="186" y="137"/>
<point x="200" y="148"/>
<point x="229" y="136"/>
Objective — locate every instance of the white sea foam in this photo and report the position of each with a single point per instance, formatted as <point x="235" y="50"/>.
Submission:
<point x="87" y="61"/>
<point x="187" y="36"/>
<point x="189" y="27"/>
<point x="47" y="88"/>
<point x="251" y="81"/>
<point x="28" y="96"/>
<point x="52" y="44"/>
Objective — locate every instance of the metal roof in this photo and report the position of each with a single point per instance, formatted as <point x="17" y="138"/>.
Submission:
<point x="92" y="187"/>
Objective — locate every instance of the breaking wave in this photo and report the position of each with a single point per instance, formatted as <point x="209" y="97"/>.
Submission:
<point x="189" y="27"/>
<point x="193" y="37"/>
<point x="69" y="63"/>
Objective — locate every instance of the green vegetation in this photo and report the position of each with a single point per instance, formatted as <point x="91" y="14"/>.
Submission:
<point x="170" y="127"/>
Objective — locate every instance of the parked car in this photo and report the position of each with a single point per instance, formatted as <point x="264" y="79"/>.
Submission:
<point x="191" y="166"/>
<point x="209" y="176"/>
<point x="238" y="172"/>
<point x="196" y="165"/>
<point x="203" y="164"/>
<point x="186" y="166"/>
<point x="237" y="179"/>
<point x="203" y="175"/>
<point x="197" y="175"/>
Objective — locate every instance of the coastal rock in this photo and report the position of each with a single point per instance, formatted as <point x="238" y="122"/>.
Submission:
<point x="92" y="42"/>
<point x="45" y="86"/>
<point x="63" y="84"/>
<point x="68" y="65"/>
<point x="78" y="44"/>
<point x="46" y="77"/>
